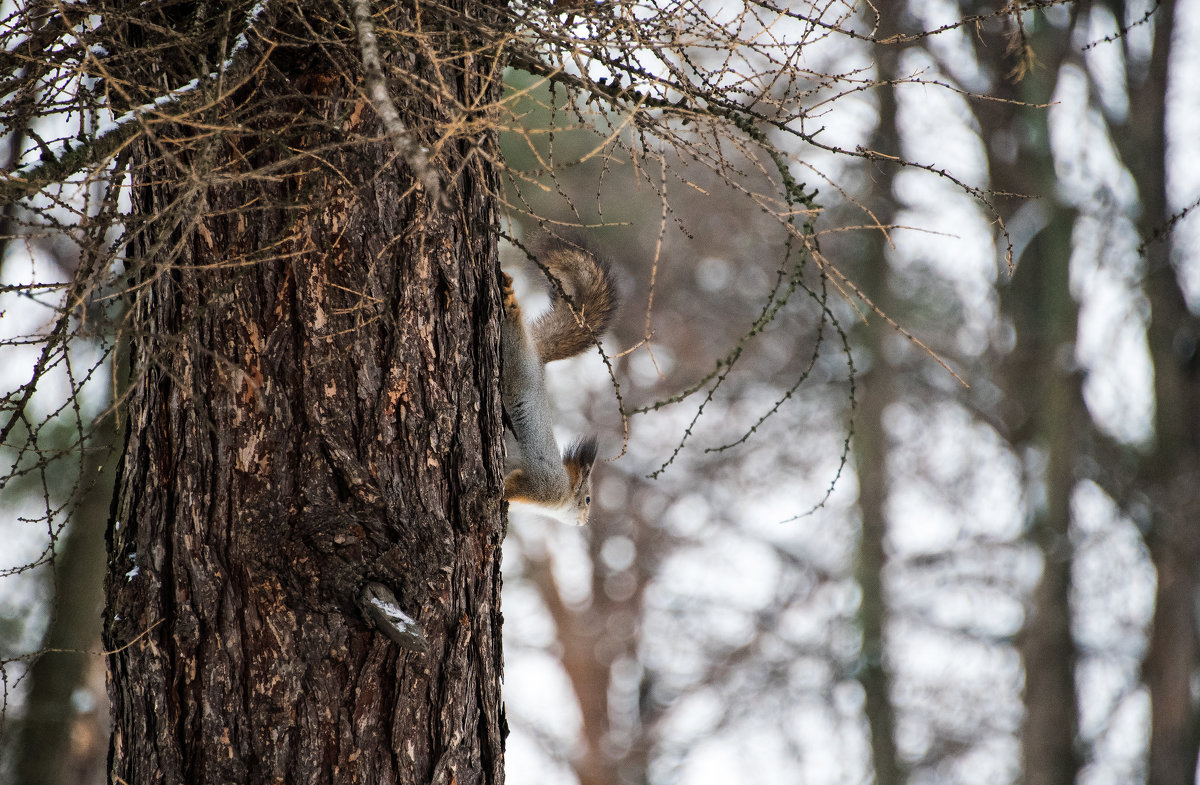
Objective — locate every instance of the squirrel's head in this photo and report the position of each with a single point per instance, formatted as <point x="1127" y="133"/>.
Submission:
<point x="578" y="459"/>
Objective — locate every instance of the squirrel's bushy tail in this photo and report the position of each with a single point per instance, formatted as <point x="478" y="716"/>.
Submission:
<point x="570" y="329"/>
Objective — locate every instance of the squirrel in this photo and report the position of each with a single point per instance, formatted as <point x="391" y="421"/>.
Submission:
<point x="536" y="473"/>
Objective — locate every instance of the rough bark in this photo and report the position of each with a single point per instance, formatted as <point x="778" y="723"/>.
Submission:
<point x="313" y="406"/>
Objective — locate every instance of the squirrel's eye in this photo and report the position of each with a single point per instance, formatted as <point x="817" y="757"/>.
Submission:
<point x="587" y="499"/>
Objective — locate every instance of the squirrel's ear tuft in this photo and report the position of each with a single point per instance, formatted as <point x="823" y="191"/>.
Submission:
<point x="582" y="451"/>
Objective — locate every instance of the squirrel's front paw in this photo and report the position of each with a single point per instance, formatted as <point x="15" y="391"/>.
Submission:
<point x="507" y="296"/>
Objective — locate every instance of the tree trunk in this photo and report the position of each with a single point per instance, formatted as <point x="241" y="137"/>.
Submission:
<point x="1045" y="322"/>
<point x="1044" y="411"/>
<point x="1170" y="476"/>
<point x="876" y="391"/>
<point x="312" y="407"/>
<point x="49" y="750"/>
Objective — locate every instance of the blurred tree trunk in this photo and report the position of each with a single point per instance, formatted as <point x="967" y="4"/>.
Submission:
<point x="47" y="752"/>
<point x="313" y="406"/>
<point x="1043" y="410"/>
<point x="1040" y="380"/>
<point x="875" y="392"/>
<point x="1170" y="477"/>
<point x="594" y="637"/>
<point x="583" y="634"/>
<point x="33" y="16"/>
